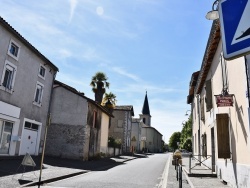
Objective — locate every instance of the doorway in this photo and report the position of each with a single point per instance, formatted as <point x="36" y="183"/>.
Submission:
<point x="29" y="142"/>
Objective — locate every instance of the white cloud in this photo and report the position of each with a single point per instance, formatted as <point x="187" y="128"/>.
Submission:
<point x="121" y="71"/>
<point x="73" y="4"/>
<point x="65" y="53"/>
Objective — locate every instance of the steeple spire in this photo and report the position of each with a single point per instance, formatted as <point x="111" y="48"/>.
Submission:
<point x="145" y="108"/>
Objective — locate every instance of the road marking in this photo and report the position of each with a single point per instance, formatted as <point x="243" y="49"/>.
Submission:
<point x="164" y="181"/>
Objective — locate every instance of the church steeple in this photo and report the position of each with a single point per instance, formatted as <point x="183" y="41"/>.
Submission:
<point x="145" y="108"/>
<point x="145" y="116"/>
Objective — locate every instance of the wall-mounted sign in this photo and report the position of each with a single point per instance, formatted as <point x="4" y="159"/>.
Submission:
<point x="224" y="100"/>
<point x="143" y="138"/>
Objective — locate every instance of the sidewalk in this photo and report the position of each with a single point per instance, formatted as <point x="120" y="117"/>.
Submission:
<point x="199" y="177"/>
<point x="13" y="174"/>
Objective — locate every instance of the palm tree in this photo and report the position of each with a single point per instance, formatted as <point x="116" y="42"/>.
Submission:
<point x="109" y="100"/>
<point x="99" y="83"/>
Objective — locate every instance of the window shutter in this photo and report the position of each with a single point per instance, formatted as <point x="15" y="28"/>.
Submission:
<point x="223" y="136"/>
<point x="209" y="102"/>
<point x="202" y="109"/>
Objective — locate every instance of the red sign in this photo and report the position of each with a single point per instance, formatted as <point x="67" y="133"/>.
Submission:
<point x="224" y="100"/>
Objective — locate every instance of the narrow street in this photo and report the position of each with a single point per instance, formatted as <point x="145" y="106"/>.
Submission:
<point x="142" y="172"/>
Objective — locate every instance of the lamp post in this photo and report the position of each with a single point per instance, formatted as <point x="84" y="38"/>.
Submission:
<point x="213" y="14"/>
<point x="186" y="114"/>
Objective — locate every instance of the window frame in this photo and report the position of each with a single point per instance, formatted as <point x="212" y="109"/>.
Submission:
<point x="8" y="138"/>
<point x="11" y="67"/>
<point x="41" y="76"/>
<point x="16" y="57"/>
<point x="38" y="103"/>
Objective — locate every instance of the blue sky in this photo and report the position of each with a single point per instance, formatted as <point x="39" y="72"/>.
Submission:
<point x="141" y="45"/>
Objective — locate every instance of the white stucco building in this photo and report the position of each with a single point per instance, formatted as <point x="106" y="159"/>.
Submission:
<point x="26" y="78"/>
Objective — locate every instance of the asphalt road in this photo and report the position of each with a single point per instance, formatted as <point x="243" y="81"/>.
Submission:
<point x="141" y="172"/>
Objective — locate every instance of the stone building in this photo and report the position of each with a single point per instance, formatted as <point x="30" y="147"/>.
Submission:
<point x="79" y="125"/>
<point x="25" y="90"/>
<point x="136" y="133"/>
<point x="144" y="137"/>
<point x="121" y="125"/>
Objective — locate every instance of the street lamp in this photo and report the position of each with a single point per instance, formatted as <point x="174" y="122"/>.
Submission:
<point x="187" y="112"/>
<point x="213" y="14"/>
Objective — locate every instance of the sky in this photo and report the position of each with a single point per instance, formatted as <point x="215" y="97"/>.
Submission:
<point x="141" y="45"/>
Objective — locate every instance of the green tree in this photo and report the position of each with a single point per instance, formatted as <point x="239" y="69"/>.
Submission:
<point x="186" y="135"/>
<point x="99" y="83"/>
<point x="175" y="137"/>
<point x="187" y="144"/>
<point x="109" y="100"/>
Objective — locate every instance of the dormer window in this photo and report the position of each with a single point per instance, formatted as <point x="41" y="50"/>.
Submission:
<point x="14" y="50"/>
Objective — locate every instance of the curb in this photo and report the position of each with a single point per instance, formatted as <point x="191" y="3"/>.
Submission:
<point x="54" y="179"/>
<point x="187" y="177"/>
<point x="164" y="182"/>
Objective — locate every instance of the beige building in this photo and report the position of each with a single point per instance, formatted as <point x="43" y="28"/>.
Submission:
<point x="219" y="98"/>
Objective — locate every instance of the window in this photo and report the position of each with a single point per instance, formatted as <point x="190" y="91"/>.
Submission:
<point x="8" y="76"/>
<point x="209" y="94"/>
<point x="14" y="50"/>
<point x="204" y="145"/>
<point x="120" y="124"/>
<point x="38" y="94"/>
<point x="32" y="126"/>
<point x="42" y="71"/>
<point x="5" y="136"/>
<point x="202" y="109"/>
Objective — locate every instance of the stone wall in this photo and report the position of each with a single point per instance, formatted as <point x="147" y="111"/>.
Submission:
<point x="67" y="141"/>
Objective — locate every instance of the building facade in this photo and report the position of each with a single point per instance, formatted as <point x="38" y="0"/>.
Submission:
<point x="121" y="125"/>
<point x="219" y="98"/>
<point x="148" y="139"/>
<point x="136" y="134"/>
<point x="25" y="90"/>
<point x="79" y="125"/>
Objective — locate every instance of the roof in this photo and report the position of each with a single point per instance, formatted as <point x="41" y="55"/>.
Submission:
<point x="73" y="90"/>
<point x="192" y="85"/>
<point x="212" y="44"/>
<point x="8" y="27"/>
<point x="148" y="127"/>
<point x="125" y="108"/>
<point x="145" y="108"/>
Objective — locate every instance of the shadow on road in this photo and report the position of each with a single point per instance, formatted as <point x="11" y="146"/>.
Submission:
<point x="12" y="166"/>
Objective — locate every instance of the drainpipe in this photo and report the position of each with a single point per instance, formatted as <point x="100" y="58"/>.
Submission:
<point x="46" y="128"/>
<point x="199" y="130"/>
<point x="247" y="77"/>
